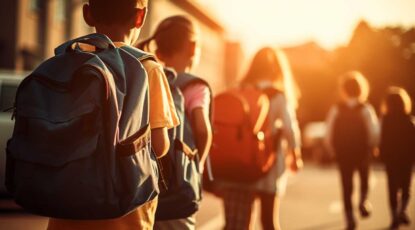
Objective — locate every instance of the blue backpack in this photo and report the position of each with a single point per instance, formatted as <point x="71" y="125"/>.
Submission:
<point x="181" y="165"/>
<point x="80" y="148"/>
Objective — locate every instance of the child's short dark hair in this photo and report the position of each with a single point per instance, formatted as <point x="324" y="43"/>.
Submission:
<point x="355" y="85"/>
<point x="115" y="12"/>
<point x="397" y="101"/>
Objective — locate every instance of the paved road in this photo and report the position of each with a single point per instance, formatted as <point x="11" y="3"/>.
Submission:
<point x="311" y="203"/>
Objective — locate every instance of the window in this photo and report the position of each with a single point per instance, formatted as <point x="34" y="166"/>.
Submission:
<point x="60" y="13"/>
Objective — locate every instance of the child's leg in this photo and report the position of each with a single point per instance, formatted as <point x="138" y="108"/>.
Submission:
<point x="346" y="174"/>
<point x="269" y="210"/>
<point x="393" y="188"/>
<point x="405" y="174"/>
<point x="238" y="208"/>
<point x="406" y="177"/>
<point x="364" y="180"/>
<point x="393" y="185"/>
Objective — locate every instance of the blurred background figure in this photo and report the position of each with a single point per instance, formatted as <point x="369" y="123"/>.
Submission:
<point x="352" y="134"/>
<point x="269" y="69"/>
<point x="397" y="151"/>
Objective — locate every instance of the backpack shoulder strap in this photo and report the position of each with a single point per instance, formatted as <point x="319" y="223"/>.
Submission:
<point x="186" y="79"/>
<point x="171" y="76"/>
<point x="139" y="54"/>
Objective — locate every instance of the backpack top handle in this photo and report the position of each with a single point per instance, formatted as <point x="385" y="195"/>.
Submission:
<point x="97" y="40"/>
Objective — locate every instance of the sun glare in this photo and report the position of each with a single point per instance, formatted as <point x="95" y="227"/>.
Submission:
<point x="328" y="22"/>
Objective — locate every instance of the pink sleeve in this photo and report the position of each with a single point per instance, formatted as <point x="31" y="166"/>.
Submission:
<point x="195" y="96"/>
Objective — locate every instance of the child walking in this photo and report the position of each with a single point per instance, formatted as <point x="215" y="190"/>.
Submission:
<point x="352" y="133"/>
<point x="269" y="70"/>
<point x="176" y="41"/>
<point x="397" y="151"/>
<point x="121" y="21"/>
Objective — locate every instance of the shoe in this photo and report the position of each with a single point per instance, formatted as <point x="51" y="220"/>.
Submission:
<point x="365" y="209"/>
<point x="404" y="218"/>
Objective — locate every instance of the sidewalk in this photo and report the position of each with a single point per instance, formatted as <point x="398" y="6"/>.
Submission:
<point x="312" y="202"/>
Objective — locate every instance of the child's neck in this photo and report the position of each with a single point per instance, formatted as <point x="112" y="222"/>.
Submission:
<point x="118" y="34"/>
<point x="177" y="64"/>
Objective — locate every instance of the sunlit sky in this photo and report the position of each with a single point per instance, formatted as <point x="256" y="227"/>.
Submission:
<point x="290" y="22"/>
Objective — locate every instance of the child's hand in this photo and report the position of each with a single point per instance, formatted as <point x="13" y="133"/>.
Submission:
<point x="296" y="165"/>
<point x="295" y="161"/>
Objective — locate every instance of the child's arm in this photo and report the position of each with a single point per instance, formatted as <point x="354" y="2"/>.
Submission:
<point x="295" y="161"/>
<point x="373" y="126"/>
<point x="290" y="132"/>
<point x="197" y="104"/>
<point x="203" y="134"/>
<point x="160" y="141"/>
<point x="327" y="139"/>
<point x="162" y="110"/>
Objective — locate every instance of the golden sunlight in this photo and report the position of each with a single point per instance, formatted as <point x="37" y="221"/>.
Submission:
<point x="328" y="22"/>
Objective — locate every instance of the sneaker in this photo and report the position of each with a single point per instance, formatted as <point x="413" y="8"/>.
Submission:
<point x="365" y="209"/>
<point x="404" y="218"/>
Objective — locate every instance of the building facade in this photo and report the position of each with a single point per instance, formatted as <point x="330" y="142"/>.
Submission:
<point x="35" y="27"/>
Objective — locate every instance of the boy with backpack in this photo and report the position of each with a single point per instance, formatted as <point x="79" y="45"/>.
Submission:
<point x="352" y="133"/>
<point x="136" y="99"/>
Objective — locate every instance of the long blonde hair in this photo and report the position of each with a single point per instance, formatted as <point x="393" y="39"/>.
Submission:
<point x="272" y="65"/>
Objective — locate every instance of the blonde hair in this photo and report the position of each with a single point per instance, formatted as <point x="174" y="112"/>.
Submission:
<point x="397" y="101"/>
<point x="355" y="85"/>
<point x="272" y="65"/>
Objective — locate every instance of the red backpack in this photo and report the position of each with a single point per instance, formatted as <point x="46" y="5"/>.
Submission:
<point x="243" y="148"/>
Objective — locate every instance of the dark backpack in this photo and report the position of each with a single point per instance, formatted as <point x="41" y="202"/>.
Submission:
<point x="81" y="142"/>
<point x="397" y="142"/>
<point x="350" y="134"/>
<point x="183" y="81"/>
<point x="181" y="165"/>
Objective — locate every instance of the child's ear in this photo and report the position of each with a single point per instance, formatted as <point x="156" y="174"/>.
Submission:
<point x="86" y="11"/>
<point x="140" y="17"/>
<point x="192" y="48"/>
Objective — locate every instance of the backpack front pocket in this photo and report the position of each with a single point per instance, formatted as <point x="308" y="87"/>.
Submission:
<point x="55" y="141"/>
<point x="137" y="169"/>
